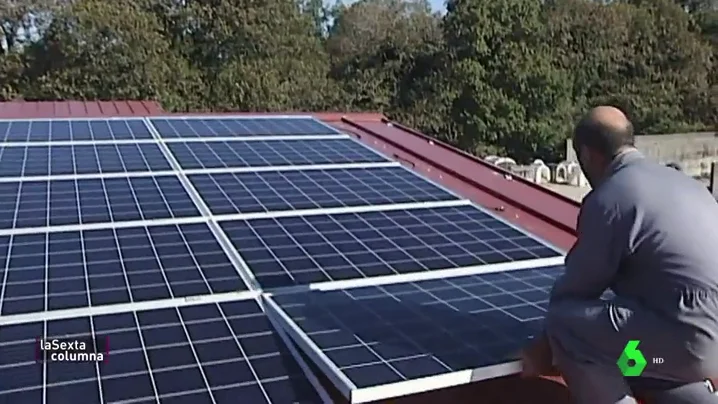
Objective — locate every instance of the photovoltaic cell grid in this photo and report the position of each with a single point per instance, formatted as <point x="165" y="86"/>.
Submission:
<point x="98" y="200"/>
<point x="63" y="270"/>
<point x="23" y="161"/>
<point x="385" y="334"/>
<point x="73" y="269"/>
<point x="73" y="130"/>
<point x="200" y="128"/>
<point x="198" y="354"/>
<point x="265" y="153"/>
<point x="289" y="251"/>
<point x="230" y="193"/>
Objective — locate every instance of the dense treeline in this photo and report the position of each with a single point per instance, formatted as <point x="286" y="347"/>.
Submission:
<point x="506" y="76"/>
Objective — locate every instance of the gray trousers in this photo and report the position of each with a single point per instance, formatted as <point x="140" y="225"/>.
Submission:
<point x="588" y="337"/>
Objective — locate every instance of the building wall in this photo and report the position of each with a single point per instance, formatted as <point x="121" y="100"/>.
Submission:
<point x="693" y="151"/>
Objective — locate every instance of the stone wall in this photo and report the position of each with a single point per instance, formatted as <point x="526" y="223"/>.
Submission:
<point x="693" y="151"/>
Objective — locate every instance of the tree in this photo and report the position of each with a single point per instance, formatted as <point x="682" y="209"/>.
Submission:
<point x="387" y="55"/>
<point x="512" y="99"/>
<point x="641" y="56"/>
<point x="319" y="14"/>
<point x="253" y="55"/>
<point x="22" y="23"/>
<point x="693" y="6"/>
<point x="11" y="76"/>
<point x="95" y="49"/>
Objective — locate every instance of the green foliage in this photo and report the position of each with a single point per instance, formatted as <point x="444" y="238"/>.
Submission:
<point x="650" y="62"/>
<point x="512" y="96"/>
<point x="11" y="70"/>
<point x="501" y="76"/>
<point x="96" y="49"/>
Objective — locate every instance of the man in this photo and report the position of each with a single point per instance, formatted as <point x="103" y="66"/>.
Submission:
<point x="650" y="234"/>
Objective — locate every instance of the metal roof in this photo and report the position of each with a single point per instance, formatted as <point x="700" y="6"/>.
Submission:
<point x="531" y="206"/>
<point x="77" y="109"/>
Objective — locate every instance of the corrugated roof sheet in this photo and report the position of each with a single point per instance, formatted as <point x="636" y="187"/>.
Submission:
<point x="77" y="109"/>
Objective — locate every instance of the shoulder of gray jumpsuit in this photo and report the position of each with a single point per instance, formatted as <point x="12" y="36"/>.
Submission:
<point x="672" y="222"/>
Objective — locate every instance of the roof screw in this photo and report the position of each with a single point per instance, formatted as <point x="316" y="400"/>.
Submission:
<point x="500" y="208"/>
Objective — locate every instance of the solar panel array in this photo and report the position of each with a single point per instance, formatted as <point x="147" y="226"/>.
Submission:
<point x="157" y="239"/>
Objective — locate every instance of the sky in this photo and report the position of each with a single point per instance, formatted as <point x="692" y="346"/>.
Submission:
<point x="438" y="5"/>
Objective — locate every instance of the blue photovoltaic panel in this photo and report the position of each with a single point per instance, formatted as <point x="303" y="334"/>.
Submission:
<point x="17" y="161"/>
<point x="384" y="334"/>
<point x="207" y="354"/>
<point x="222" y="154"/>
<point x="197" y="127"/>
<point x="67" y="202"/>
<point x="305" y="249"/>
<point x="229" y="193"/>
<point x="51" y="271"/>
<point x="71" y="130"/>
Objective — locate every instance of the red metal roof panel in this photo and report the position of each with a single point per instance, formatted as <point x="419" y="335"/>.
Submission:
<point x="77" y="109"/>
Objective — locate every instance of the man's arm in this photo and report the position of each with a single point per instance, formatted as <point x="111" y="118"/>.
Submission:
<point x="594" y="259"/>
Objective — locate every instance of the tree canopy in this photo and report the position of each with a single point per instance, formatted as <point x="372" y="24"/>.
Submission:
<point x="501" y="76"/>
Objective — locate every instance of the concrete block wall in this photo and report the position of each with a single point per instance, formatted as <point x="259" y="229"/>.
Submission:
<point x="693" y="151"/>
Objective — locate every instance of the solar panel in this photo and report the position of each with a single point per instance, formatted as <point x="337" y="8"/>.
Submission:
<point x="62" y="270"/>
<point x="264" y="153"/>
<point x="70" y="202"/>
<point x="381" y="335"/>
<point x="286" y="251"/>
<point x="107" y="238"/>
<point x="226" y="127"/>
<point x="212" y="353"/>
<point x="22" y="161"/>
<point x="247" y="192"/>
<point x="73" y="130"/>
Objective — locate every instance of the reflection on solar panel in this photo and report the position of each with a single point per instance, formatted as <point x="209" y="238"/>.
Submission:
<point x="230" y="193"/>
<point x="73" y="130"/>
<point x="380" y="335"/>
<point x="22" y="161"/>
<point x="61" y="270"/>
<point x="69" y="202"/>
<point x="195" y="354"/>
<point x="306" y="249"/>
<point x="221" y="154"/>
<point x="198" y="127"/>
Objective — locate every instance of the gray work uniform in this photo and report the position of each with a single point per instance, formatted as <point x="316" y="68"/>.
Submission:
<point x="650" y="234"/>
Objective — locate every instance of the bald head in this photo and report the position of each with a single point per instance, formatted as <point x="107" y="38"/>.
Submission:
<point x="604" y="130"/>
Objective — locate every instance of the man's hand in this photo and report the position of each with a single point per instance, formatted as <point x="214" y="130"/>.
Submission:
<point x="537" y="359"/>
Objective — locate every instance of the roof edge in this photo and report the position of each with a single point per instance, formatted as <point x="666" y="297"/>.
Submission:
<point x="322" y="116"/>
<point x="485" y="164"/>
